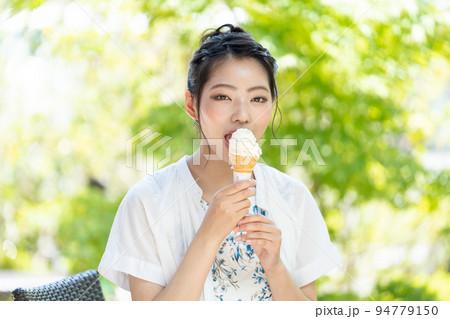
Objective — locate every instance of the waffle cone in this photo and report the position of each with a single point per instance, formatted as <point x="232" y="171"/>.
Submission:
<point x="243" y="164"/>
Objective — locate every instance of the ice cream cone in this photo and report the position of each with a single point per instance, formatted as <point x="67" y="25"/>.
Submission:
<point x="244" y="152"/>
<point x="243" y="164"/>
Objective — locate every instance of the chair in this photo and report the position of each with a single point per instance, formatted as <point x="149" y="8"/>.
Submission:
<point x="84" y="286"/>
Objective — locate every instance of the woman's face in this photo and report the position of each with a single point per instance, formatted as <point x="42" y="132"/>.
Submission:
<point x="237" y="95"/>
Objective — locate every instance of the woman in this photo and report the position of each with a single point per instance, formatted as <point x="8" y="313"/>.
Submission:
<point x="185" y="233"/>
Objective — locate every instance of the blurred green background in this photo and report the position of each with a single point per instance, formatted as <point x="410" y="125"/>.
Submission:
<point x="81" y="78"/>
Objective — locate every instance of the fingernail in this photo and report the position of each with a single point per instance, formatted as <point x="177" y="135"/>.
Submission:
<point x="236" y="228"/>
<point x="237" y="238"/>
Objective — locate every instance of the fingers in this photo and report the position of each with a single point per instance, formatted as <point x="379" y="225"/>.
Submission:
<point x="259" y="242"/>
<point x="262" y="239"/>
<point x="257" y="228"/>
<point x="242" y="195"/>
<point x="243" y="211"/>
<point x="243" y="205"/>
<point x="259" y="237"/>
<point x="238" y="186"/>
<point x="255" y="218"/>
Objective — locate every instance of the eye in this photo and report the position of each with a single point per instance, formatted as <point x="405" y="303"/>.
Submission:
<point x="260" y="100"/>
<point x="220" y="97"/>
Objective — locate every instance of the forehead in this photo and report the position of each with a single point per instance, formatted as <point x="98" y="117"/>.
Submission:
<point x="247" y="71"/>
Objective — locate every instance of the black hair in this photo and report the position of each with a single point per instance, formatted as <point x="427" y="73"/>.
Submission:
<point x="216" y="46"/>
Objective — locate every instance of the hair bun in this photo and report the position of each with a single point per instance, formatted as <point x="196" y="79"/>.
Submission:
<point x="218" y="32"/>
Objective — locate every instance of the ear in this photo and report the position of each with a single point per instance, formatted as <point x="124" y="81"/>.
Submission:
<point x="189" y="105"/>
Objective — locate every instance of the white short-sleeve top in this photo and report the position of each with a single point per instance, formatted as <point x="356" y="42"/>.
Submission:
<point x="159" y="216"/>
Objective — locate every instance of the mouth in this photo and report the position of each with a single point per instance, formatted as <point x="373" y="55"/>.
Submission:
<point x="228" y="136"/>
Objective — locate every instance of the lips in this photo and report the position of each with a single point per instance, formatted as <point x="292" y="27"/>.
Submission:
<point x="228" y="136"/>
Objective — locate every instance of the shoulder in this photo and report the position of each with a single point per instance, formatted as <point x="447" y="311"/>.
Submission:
<point x="144" y="200"/>
<point x="288" y="190"/>
<point x="152" y="186"/>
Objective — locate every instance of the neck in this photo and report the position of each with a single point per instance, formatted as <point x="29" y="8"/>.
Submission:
<point x="210" y="171"/>
<point x="214" y="176"/>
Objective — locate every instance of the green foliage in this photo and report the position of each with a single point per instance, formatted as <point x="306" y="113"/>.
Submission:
<point x="18" y="5"/>
<point x="345" y="105"/>
<point x="84" y="228"/>
<point x="6" y="297"/>
<point x="358" y="100"/>
<point x="403" y="289"/>
<point x="336" y="296"/>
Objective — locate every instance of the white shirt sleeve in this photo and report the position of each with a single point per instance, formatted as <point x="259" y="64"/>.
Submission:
<point x="131" y="247"/>
<point x="316" y="254"/>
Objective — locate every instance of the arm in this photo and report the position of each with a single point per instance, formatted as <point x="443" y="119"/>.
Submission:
<point x="283" y="286"/>
<point x="228" y="206"/>
<point x="266" y="240"/>
<point x="187" y="282"/>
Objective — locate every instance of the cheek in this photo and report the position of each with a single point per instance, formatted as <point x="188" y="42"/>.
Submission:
<point x="267" y="114"/>
<point x="214" y="113"/>
<point x="213" y="120"/>
<point x="264" y="117"/>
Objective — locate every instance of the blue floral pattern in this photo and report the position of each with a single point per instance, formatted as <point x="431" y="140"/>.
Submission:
<point x="236" y="271"/>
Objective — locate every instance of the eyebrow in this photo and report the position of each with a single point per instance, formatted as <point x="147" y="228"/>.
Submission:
<point x="259" y="87"/>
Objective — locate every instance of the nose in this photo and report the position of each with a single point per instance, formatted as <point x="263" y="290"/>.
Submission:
<point x="240" y="112"/>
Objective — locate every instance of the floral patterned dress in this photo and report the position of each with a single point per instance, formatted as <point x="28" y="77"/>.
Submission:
<point x="236" y="272"/>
